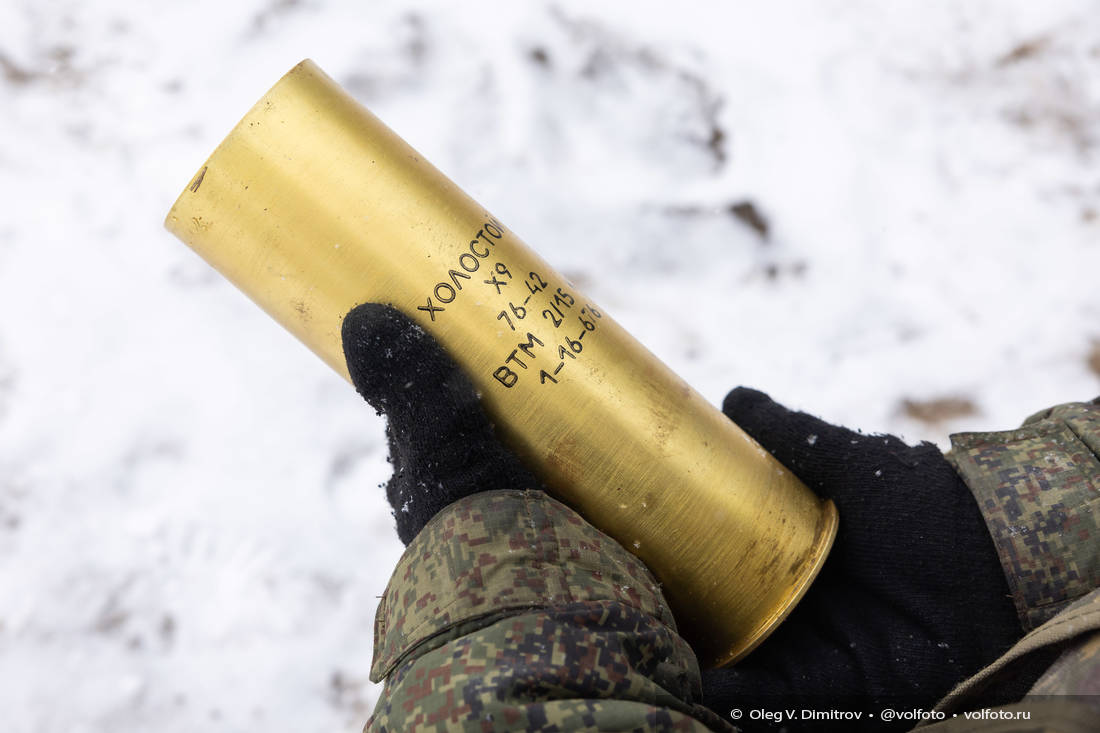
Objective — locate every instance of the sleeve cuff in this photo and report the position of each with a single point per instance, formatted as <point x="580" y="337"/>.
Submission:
<point x="1038" y="488"/>
<point x="495" y="554"/>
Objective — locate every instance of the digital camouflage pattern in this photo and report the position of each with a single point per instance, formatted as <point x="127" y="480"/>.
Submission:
<point x="502" y="552"/>
<point x="510" y="612"/>
<point x="1039" y="490"/>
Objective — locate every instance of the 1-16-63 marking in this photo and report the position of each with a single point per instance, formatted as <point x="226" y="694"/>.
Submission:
<point x="560" y="304"/>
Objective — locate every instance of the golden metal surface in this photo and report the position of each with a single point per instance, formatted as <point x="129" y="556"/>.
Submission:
<point x="311" y="206"/>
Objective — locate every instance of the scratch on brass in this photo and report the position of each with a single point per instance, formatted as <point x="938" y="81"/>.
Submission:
<point x="198" y="180"/>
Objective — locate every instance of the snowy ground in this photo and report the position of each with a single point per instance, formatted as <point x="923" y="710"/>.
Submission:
<point x="191" y="537"/>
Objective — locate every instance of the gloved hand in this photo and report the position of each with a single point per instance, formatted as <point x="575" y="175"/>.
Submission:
<point x="911" y="600"/>
<point x="442" y="445"/>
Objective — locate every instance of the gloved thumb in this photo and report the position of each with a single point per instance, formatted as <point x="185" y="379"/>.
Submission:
<point x="394" y="364"/>
<point x="442" y="444"/>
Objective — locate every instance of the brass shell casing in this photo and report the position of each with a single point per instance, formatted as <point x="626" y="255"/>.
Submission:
<point x="311" y="206"/>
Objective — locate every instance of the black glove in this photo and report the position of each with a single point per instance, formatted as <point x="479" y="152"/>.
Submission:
<point x="911" y="601"/>
<point x="442" y="446"/>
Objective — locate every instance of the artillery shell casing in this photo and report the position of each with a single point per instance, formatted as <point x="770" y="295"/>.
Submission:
<point x="311" y="206"/>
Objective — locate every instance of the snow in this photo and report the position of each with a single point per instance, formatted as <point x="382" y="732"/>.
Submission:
<point x="191" y="533"/>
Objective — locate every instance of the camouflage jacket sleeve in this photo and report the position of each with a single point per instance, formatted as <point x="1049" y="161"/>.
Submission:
<point x="510" y="612"/>
<point x="1039" y="490"/>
